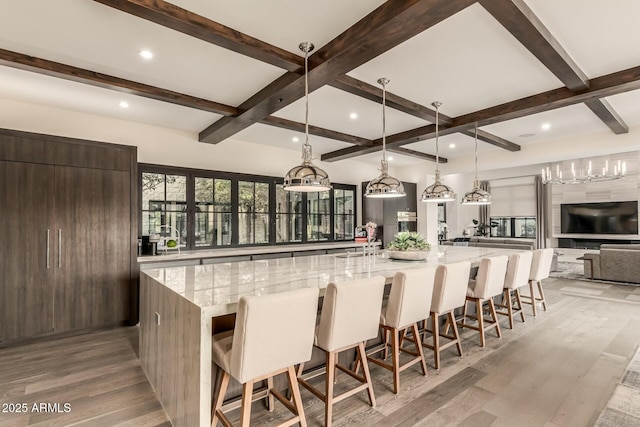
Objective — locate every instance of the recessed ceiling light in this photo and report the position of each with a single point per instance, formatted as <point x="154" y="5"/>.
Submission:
<point x="353" y="116"/>
<point x="452" y="145"/>
<point x="295" y="139"/>
<point x="389" y="158"/>
<point x="545" y="126"/>
<point x="124" y="104"/>
<point x="146" y="54"/>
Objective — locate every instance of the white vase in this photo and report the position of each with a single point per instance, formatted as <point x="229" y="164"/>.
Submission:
<point x="408" y="255"/>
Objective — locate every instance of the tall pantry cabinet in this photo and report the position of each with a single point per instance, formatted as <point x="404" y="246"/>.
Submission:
<point x="67" y="234"/>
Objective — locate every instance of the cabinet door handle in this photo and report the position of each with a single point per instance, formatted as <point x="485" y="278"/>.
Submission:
<point x="59" y="247"/>
<point x="48" y="248"/>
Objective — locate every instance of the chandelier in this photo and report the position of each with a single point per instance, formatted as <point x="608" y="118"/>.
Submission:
<point x="584" y="172"/>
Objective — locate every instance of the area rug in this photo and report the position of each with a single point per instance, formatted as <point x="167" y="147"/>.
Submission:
<point x="623" y="409"/>
<point x="569" y="270"/>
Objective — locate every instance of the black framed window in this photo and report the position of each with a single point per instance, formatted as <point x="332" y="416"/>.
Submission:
<point x="344" y="213"/>
<point x="318" y="216"/>
<point x="212" y="212"/>
<point x="516" y="227"/>
<point x="289" y="225"/>
<point x="253" y="212"/>
<point x="221" y="209"/>
<point x="164" y="205"/>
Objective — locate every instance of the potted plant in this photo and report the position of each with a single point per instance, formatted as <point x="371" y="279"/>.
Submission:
<point x="408" y="245"/>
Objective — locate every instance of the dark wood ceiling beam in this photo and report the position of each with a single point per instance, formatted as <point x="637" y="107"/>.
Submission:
<point x="394" y="22"/>
<point x="194" y="25"/>
<point x="80" y="75"/>
<point x="414" y="153"/>
<point x="608" y="115"/>
<point x="315" y="130"/>
<point x="600" y="87"/>
<point x="525" y="26"/>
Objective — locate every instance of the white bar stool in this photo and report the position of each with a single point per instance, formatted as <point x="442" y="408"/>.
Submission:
<point x="350" y="316"/>
<point x="517" y="276"/>
<point x="409" y="303"/>
<point x="488" y="283"/>
<point x="449" y="293"/>
<point x="540" y="269"/>
<point x="273" y="333"/>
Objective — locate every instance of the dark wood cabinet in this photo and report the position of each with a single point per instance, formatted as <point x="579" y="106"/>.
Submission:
<point x="68" y="258"/>
<point x="26" y="257"/>
<point x="384" y="212"/>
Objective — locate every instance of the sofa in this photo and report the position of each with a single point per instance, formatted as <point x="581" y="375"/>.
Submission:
<point x="619" y="263"/>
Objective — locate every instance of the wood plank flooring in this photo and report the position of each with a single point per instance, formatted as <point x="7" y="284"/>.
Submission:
<point x="558" y="369"/>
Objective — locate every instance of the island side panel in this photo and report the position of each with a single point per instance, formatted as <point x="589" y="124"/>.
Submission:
<point x="170" y="353"/>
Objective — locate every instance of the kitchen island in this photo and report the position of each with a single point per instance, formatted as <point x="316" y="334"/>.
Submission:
<point x="180" y="305"/>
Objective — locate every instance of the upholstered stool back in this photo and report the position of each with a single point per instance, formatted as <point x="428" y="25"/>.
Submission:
<point x="490" y="279"/>
<point x="541" y="265"/>
<point x="273" y="332"/>
<point x="350" y="313"/>
<point x="410" y="297"/>
<point x="450" y="287"/>
<point x="518" y="270"/>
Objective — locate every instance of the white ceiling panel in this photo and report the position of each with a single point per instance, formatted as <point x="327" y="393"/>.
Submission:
<point x="627" y="105"/>
<point x="564" y="123"/>
<point x="331" y="108"/>
<point x="395" y="161"/>
<point x="468" y="62"/>
<point x="89" y="35"/>
<point x="601" y="36"/>
<point x="286" y="23"/>
<point x="39" y="89"/>
<point x="451" y="146"/>
<point x="283" y="138"/>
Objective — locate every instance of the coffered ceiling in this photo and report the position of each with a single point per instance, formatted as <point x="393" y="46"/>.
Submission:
<point x="232" y="71"/>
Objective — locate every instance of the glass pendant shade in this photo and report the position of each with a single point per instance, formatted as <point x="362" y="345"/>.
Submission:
<point x="477" y="196"/>
<point x="306" y="177"/>
<point x="437" y="192"/>
<point x="384" y="186"/>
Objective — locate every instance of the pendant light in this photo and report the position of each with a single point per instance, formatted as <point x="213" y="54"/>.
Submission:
<point x="306" y="177"/>
<point x="384" y="186"/>
<point x="438" y="192"/>
<point x="477" y="196"/>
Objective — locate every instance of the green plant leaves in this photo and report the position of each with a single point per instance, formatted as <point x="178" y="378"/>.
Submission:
<point x="408" y="241"/>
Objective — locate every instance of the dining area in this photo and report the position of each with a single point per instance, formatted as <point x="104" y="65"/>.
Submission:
<point x="209" y="333"/>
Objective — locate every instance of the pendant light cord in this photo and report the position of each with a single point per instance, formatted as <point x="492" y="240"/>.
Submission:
<point x="384" y="121"/>
<point x="436" y="104"/>
<point x="306" y="97"/>
<point x="476" y="151"/>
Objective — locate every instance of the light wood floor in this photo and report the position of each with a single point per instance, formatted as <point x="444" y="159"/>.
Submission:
<point x="556" y="370"/>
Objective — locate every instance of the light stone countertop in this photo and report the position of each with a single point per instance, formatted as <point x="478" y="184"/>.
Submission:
<point x="216" y="288"/>
<point x="173" y="255"/>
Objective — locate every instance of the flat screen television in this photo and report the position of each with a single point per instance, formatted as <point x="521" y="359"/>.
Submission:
<point x="599" y="218"/>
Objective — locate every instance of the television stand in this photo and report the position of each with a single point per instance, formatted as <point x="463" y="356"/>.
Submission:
<point x="588" y="243"/>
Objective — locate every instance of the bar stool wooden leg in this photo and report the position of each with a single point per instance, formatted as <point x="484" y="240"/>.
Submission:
<point x="494" y="316"/>
<point x="328" y="407"/>
<point x="395" y="354"/>
<point x="247" y="394"/>
<point x="519" y="301"/>
<point x="367" y="374"/>
<point x="509" y="304"/>
<point x="544" y="301"/>
<point x="385" y="353"/>
<point x="270" y="400"/>
<point x="416" y="341"/>
<point x="435" y="327"/>
<point x="452" y="321"/>
<point x="295" y="394"/>
<point x="217" y="407"/>
<point x="480" y="316"/>
<point x="533" y="298"/>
